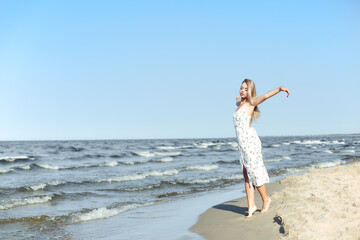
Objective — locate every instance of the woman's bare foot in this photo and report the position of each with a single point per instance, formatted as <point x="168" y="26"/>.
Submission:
<point x="266" y="205"/>
<point x="251" y="211"/>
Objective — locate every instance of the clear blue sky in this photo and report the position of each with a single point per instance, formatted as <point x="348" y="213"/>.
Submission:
<point x="172" y="69"/>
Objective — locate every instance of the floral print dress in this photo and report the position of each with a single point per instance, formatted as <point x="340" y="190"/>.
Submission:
<point x="250" y="152"/>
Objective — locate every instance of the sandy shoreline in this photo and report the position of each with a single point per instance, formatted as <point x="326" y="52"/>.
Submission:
<point x="321" y="204"/>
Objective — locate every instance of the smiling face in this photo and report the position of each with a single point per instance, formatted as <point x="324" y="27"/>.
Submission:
<point x="244" y="90"/>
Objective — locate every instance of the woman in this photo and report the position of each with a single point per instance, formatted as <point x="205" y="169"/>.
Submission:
<point x="250" y="152"/>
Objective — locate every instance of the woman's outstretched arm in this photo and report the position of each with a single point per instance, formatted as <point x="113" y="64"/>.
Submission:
<point x="257" y="100"/>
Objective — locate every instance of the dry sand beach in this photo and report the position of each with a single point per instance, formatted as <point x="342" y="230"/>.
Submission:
<point x="321" y="204"/>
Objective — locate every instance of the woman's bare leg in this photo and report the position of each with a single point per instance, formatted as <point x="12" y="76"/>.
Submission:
<point x="250" y="194"/>
<point x="265" y="198"/>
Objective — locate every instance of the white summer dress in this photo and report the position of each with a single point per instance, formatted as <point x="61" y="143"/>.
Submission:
<point x="250" y="152"/>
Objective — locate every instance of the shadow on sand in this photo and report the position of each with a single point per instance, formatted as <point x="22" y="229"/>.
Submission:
<point x="233" y="208"/>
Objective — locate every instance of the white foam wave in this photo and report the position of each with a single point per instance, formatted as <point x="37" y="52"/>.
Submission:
<point x="128" y="163"/>
<point x="286" y="143"/>
<point x="278" y="159"/>
<point x="168" y="153"/>
<point x="145" y="154"/>
<point x="275" y="145"/>
<point x="150" y="154"/>
<point x="167" y="147"/>
<point x="203" y="168"/>
<point x="210" y="180"/>
<point x="165" y="159"/>
<point x="173" y="147"/>
<point x="347" y="151"/>
<point x="234" y="144"/>
<point x="312" y="147"/>
<point x="5" y="170"/>
<point x="309" y="142"/>
<point x="103" y="213"/>
<point x="327" y="164"/>
<point x="25" y="201"/>
<point x="164" y="173"/>
<point x="134" y="177"/>
<point x="140" y="188"/>
<point x="47" y="166"/>
<point x="26" y="167"/>
<point x="36" y="187"/>
<point x="109" y="164"/>
<point x="53" y="167"/>
<point x="328" y="151"/>
<point x="15" y="158"/>
<point x="143" y="175"/>
<point x="202" y="181"/>
<point x="207" y="144"/>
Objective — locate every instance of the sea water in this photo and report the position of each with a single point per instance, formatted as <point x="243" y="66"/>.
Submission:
<point x="49" y="187"/>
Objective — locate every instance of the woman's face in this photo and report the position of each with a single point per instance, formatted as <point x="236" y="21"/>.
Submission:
<point x="244" y="90"/>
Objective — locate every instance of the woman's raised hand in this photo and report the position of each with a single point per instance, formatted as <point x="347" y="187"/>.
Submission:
<point x="285" y="90"/>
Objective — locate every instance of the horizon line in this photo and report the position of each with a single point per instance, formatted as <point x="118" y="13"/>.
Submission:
<point x="126" y="139"/>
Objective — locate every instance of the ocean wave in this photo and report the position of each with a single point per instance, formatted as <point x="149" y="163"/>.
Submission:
<point x="103" y="213"/>
<point x="134" y="177"/>
<point x="136" y="189"/>
<point x="81" y="216"/>
<point x="327" y="164"/>
<point x="310" y="146"/>
<point x="42" y="186"/>
<point x="320" y="142"/>
<point x="26" y="167"/>
<point x="174" y="147"/>
<point x="130" y="162"/>
<point x="216" y="179"/>
<point x="144" y="154"/>
<point x="16" y="158"/>
<point x="205" y="144"/>
<point x="277" y="159"/>
<point x="153" y="154"/>
<point x="117" y="156"/>
<point x="291" y="170"/>
<point x="299" y="169"/>
<point x="36" y="187"/>
<point x="168" y="153"/>
<point x="345" y="151"/>
<point x="203" y="167"/>
<point x="109" y="164"/>
<point x="338" y="150"/>
<point x="274" y="145"/>
<point x="233" y="144"/>
<point x="34" y="219"/>
<point x="328" y="151"/>
<point x="25" y="201"/>
<point x="54" y="167"/>
<point x="228" y="162"/>
<point x="216" y="145"/>
<point x="6" y="170"/>
<point x="71" y="149"/>
<point x="165" y="159"/>
<point x="139" y="176"/>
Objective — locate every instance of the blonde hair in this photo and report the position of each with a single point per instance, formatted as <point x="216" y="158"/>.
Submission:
<point x="251" y="94"/>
